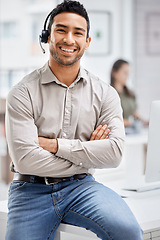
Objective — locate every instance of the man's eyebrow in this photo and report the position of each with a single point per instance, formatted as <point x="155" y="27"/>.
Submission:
<point x="61" y="25"/>
<point x="64" y="26"/>
<point x="80" y="29"/>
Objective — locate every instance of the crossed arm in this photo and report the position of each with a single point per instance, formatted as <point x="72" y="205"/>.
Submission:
<point x="51" y="145"/>
<point x="62" y="157"/>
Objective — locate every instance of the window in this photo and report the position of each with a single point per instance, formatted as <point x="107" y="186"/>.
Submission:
<point x="8" y="78"/>
<point x="8" y="30"/>
<point x="37" y="26"/>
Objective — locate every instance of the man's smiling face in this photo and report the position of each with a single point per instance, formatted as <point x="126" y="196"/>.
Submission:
<point x="68" y="38"/>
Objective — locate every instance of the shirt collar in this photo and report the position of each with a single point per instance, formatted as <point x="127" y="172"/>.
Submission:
<point x="48" y="76"/>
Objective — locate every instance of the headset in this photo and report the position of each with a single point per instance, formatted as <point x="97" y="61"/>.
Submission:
<point x="43" y="38"/>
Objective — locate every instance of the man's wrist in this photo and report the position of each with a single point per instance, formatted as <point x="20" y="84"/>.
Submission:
<point x="54" y="145"/>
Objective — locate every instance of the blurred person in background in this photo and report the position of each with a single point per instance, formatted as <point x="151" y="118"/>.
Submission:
<point x="119" y="76"/>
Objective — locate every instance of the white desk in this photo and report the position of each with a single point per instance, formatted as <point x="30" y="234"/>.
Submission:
<point x="135" y="154"/>
<point x="145" y="206"/>
<point x="3" y="218"/>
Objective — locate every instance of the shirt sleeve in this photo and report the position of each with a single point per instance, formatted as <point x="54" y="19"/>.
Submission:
<point x="105" y="153"/>
<point x="22" y="137"/>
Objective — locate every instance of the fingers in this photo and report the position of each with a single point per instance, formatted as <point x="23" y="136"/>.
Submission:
<point x="105" y="134"/>
<point x="101" y="132"/>
<point x="95" y="132"/>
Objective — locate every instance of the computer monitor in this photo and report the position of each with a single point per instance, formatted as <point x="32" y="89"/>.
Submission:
<point x="151" y="179"/>
<point x="152" y="173"/>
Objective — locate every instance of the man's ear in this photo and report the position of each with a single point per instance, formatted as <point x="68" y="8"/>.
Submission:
<point x="87" y="42"/>
<point x="49" y="38"/>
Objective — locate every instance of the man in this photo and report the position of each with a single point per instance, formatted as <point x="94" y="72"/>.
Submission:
<point x="62" y="122"/>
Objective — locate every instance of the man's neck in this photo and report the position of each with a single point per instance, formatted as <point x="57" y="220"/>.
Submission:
<point x="65" y="74"/>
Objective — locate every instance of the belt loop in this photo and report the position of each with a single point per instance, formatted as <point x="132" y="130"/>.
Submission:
<point x="32" y="179"/>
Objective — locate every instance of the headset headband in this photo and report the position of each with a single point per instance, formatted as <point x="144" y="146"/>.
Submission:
<point x="43" y="38"/>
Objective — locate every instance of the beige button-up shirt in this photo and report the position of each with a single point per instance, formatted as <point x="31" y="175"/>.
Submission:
<point x="40" y="105"/>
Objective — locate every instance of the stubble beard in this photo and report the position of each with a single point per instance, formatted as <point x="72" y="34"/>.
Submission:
<point x="65" y="63"/>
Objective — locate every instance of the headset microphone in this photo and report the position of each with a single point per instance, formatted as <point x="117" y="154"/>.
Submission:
<point x="40" y="43"/>
<point x="43" y="38"/>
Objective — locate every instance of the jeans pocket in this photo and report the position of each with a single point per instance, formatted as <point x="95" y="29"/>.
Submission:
<point x="16" y="185"/>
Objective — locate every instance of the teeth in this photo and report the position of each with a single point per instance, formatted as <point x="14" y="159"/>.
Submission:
<point x="67" y="50"/>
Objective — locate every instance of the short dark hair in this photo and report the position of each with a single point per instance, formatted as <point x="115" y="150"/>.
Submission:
<point x="69" y="6"/>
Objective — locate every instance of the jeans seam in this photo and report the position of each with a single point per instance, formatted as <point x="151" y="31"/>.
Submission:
<point x="56" y="208"/>
<point x="53" y="230"/>
<point x="21" y="185"/>
<point x="94" y="222"/>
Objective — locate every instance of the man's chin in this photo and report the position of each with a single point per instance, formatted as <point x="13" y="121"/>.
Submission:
<point x="67" y="63"/>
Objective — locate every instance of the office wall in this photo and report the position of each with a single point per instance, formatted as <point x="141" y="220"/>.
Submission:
<point x="23" y="51"/>
<point x="19" y="48"/>
<point x="147" y="53"/>
<point x="119" y="34"/>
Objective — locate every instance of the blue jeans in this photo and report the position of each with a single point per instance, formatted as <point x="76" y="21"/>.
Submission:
<point x="36" y="210"/>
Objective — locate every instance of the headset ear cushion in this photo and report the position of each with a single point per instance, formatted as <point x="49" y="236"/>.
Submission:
<point x="44" y="36"/>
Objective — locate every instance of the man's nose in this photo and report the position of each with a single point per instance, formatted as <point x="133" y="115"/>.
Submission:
<point x="69" y="38"/>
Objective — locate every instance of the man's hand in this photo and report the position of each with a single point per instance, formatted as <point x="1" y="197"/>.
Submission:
<point x="101" y="132"/>
<point x="51" y="145"/>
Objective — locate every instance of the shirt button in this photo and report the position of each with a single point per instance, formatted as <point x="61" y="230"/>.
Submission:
<point x="80" y="164"/>
<point x="67" y="111"/>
